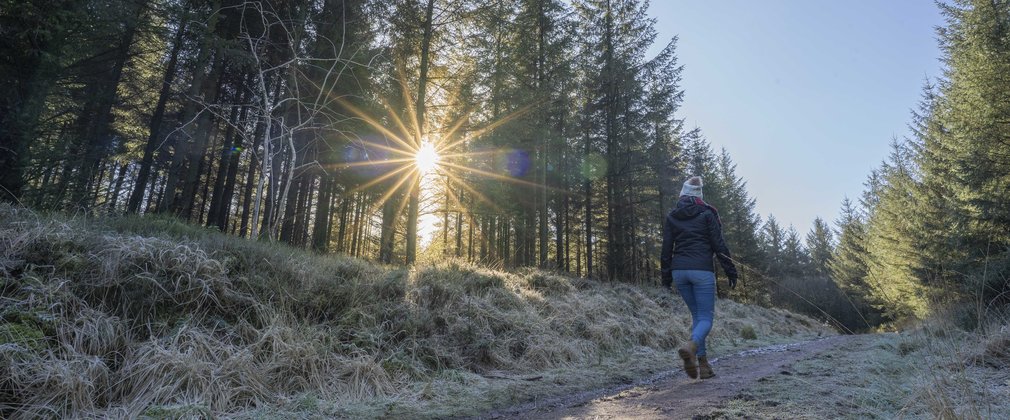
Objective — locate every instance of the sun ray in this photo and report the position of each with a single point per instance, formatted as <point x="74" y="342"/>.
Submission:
<point x="410" y="108"/>
<point x="501" y="177"/>
<point x="391" y="111"/>
<point x="459" y="180"/>
<point x="372" y="122"/>
<point x="501" y="121"/>
<point x="374" y="163"/>
<point x="406" y="153"/>
<point x="403" y="203"/>
<point x="480" y="196"/>
<point x="413" y="158"/>
<point x="388" y="194"/>
<point x="381" y="178"/>
<point x="468" y="154"/>
<point x="451" y="193"/>
<point x="452" y="130"/>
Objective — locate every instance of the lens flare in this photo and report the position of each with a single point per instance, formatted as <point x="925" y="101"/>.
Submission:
<point x="426" y="158"/>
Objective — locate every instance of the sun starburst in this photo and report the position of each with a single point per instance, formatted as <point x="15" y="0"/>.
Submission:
<point x="426" y="159"/>
<point x="403" y="159"/>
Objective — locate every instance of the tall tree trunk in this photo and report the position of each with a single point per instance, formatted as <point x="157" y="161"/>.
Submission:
<point x="355" y="241"/>
<point x="154" y="128"/>
<point x="270" y="157"/>
<point x="153" y="196"/>
<point x="206" y="161"/>
<point x="542" y="28"/>
<point x="302" y="225"/>
<point x="291" y="209"/>
<point x="615" y="226"/>
<point x="445" y="220"/>
<point x="568" y="230"/>
<point x="100" y="174"/>
<point x="578" y="257"/>
<point x="488" y="241"/>
<point x="506" y="245"/>
<point x="469" y="242"/>
<point x="422" y="86"/>
<point x="227" y="156"/>
<point x="176" y="172"/>
<point x="459" y="228"/>
<point x="588" y="188"/>
<point x="224" y="206"/>
<point x="320" y="229"/>
<point x="205" y="127"/>
<point x="342" y="230"/>
<point x="388" y="231"/>
<point x="118" y="187"/>
<point x="250" y="183"/>
<point x="332" y="215"/>
<point x="483" y="238"/>
<point x="96" y="121"/>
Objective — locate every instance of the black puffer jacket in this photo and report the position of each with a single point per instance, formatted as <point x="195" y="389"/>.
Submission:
<point x="692" y="233"/>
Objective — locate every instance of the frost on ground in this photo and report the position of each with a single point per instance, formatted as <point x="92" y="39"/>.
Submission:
<point x="127" y="317"/>
<point x="935" y="371"/>
<point x="925" y="373"/>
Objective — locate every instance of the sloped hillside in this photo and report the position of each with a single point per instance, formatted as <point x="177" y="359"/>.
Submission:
<point x="150" y="317"/>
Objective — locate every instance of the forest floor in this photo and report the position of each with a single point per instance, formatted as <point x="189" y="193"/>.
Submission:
<point x="845" y="376"/>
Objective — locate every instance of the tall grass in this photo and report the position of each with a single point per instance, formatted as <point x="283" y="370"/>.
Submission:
<point x="961" y="372"/>
<point x="147" y="316"/>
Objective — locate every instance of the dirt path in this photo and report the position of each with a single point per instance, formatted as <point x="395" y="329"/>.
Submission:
<point x="672" y="394"/>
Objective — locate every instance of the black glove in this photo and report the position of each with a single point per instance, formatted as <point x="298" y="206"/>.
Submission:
<point x="732" y="282"/>
<point x="667" y="279"/>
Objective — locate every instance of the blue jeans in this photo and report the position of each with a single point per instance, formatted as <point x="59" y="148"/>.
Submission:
<point x="697" y="287"/>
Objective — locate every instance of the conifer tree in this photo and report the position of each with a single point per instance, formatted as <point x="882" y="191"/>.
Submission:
<point x="891" y="238"/>
<point x="974" y="143"/>
<point x="794" y="257"/>
<point x="820" y="244"/>
<point x="848" y="264"/>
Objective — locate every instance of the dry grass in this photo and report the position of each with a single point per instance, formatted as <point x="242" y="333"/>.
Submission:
<point x="148" y="317"/>
<point x="966" y="372"/>
<point x="933" y="370"/>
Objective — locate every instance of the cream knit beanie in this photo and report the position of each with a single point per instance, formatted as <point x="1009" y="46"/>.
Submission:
<point x="692" y="187"/>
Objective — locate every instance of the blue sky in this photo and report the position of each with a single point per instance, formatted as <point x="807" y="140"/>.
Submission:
<point x="805" y="95"/>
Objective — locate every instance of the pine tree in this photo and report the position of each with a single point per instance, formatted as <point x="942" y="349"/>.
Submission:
<point x="773" y="244"/>
<point x="974" y="112"/>
<point x="820" y="244"/>
<point x="891" y="238"/>
<point x="848" y="264"/>
<point x="794" y="257"/>
<point x="741" y="225"/>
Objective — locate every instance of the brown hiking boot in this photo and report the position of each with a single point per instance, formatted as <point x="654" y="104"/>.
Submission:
<point x="688" y="353"/>
<point x="705" y="369"/>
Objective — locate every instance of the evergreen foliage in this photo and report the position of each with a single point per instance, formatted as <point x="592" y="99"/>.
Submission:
<point x="298" y="121"/>
<point x="933" y="226"/>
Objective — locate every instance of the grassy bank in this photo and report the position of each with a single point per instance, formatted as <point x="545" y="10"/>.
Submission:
<point x="934" y="370"/>
<point x="149" y="317"/>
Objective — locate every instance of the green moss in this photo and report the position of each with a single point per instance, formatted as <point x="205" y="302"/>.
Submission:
<point x="747" y="333"/>
<point x="24" y="335"/>
<point x="183" y="411"/>
<point x="551" y="284"/>
<point x="907" y="347"/>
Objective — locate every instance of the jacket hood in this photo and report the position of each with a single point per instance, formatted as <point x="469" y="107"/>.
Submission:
<point x="687" y="208"/>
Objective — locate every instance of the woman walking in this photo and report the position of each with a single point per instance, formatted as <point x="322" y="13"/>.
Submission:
<point x="692" y="234"/>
